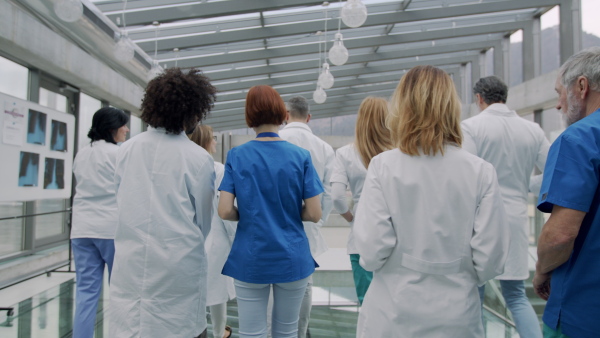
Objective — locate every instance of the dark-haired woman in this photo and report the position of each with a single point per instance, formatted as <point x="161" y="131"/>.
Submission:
<point x="95" y="213"/>
<point x="165" y="189"/>
<point x="270" y="178"/>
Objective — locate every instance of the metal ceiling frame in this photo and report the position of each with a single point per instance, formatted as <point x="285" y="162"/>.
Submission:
<point x="456" y="31"/>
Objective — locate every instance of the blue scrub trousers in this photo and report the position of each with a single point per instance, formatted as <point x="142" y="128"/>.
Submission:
<point x="526" y="320"/>
<point x="362" y="277"/>
<point x="90" y="256"/>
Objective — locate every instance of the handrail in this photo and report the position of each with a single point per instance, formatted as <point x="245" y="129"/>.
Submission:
<point x="499" y="316"/>
<point x="33" y="215"/>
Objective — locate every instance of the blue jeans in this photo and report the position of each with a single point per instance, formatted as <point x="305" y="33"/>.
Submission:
<point x="526" y="320"/>
<point x="252" y="302"/>
<point x="90" y="256"/>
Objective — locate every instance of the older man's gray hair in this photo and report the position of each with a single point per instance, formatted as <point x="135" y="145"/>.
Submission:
<point x="584" y="63"/>
<point x="491" y="89"/>
<point x="298" y="107"/>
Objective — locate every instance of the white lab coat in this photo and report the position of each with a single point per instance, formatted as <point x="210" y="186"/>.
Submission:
<point x="165" y="190"/>
<point x="431" y="228"/>
<point x="218" y="246"/>
<point x="95" y="203"/>
<point x="513" y="146"/>
<point x="322" y="156"/>
<point x="349" y="170"/>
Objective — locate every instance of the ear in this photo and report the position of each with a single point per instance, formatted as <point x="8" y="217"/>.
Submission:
<point x="583" y="86"/>
<point x="308" y="118"/>
<point x="478" y="100"/>
<point x="287" y="116"/>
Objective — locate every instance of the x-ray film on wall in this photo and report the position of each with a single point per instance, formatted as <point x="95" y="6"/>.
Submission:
<point x="37" y="151"/>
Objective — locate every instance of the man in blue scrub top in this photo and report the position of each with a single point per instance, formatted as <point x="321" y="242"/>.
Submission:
<point x="568" y="267"/>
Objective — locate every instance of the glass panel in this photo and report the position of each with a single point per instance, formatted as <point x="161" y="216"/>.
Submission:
<point x="53" y="100"/>
<point x="87" y="107"/>
<point x="516" y="58"/>
<point x="135" y="126"/>
<point x="52" y="224"/>
<point x="589" y="22"/>
<point x="48" y="314"/>
<point x="550" y="40"/>
<point x="552" y="123"/>
<point x="13" y="79"/>
<point x="321" y="127"/>
<point x="11" y="240"/>
<point x="496" y="328"/>
<point x="343" y="125"/>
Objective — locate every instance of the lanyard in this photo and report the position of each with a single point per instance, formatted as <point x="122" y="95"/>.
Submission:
<point x="267" y="134"/>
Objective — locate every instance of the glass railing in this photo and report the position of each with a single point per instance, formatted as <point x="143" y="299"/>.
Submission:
<point x="334" y="314"/>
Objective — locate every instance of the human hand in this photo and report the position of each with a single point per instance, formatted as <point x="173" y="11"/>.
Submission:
<point x="541" y="285"/>
<point x="348" y="216"/>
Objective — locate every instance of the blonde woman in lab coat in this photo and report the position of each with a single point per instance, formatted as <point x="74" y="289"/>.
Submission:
<point x="165" y="189"/>
<point x="430" y="223"/>
<point x="350" y="169"/>
<point x="218" y="244"/>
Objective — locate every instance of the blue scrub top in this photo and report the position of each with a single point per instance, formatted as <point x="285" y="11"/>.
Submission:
<point x="270" y="179"/>
<point x="571" y="180"/>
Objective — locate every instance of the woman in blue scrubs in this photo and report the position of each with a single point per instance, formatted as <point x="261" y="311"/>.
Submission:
<point x="277" y="188"/>
<point x="95" y="213"/>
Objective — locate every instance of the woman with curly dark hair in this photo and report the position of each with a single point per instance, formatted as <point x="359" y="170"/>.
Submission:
<point x="165" y="187"/>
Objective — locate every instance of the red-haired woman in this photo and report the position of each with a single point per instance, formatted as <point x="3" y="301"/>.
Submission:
<point x="271" y="179"/>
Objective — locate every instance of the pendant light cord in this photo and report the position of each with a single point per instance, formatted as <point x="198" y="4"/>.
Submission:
<point x="340" y="18"/>
<point x="155" y="42"/>
<point x="325" y="38"/>
<point x="123" y="14"/>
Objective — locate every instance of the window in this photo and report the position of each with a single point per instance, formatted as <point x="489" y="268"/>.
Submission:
<point x="13" y="79"/>
<point x="135" y="126"/>
<point x="53" y="100"/>
<point x="11" y="240"/>
<point x="87" y="107"/>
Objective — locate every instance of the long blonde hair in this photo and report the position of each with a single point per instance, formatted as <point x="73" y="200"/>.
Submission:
<point x="202" y="136"/>
<point x="425" y="112"/>
<point x="372" y="135"/>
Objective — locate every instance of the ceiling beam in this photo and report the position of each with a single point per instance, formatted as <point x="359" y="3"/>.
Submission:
<point x="196" y="40"/>
<point x="226" y="107"/>
<point x="503" y="28"/>
<point x="331" y="108"/>
<point x="299" y="66"/>
<point x="223" y="107"/>
<point x="143" y="15"/>
<point x="474" y="46"/>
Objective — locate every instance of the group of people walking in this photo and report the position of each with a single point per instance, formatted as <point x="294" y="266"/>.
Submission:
<point x="439" y="208"/>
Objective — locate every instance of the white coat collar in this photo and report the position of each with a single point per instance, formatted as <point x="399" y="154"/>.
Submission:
<point x="499" y="109"/>
<point x="300" y="125"/>
<point x="162" y="130"/>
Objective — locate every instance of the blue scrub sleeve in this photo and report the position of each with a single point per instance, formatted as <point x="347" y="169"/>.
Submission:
<point x="312" y="183"/>
<point x="570" y="177"/>
<point x="227" y="184"/>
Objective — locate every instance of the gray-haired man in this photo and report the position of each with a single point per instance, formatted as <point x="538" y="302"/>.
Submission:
<point x="513" y="146"/>
<point x="299" y="133"/>
<point x="567" y="270"/>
